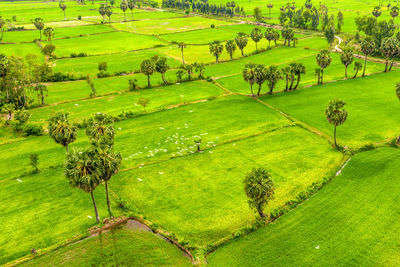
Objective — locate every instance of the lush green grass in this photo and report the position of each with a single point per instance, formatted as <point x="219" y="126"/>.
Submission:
<point x="352" y="221"/>
<point x="41" y="211"/>
<point x="59" y="33"/>
<point x="122" y="246"/>
<point x="60" y="24"/>
<point x="335" y="71"/>
<point x="20" y="50"/>
<point x="200" y="197"/>
<point x="371" y="105"/>
<point x="168" y="25"/>
<point x="159" y="97"/>
<point x="126" y="61"/>
<point x="106" y="43"/>
<point x="51" y="154"/>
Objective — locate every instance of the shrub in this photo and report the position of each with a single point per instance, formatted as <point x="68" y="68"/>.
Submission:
<point x="133" y="84"/>
<point x="212" y="26"/>
<point x="79" y="17"/>
<point x="33" y="130"/>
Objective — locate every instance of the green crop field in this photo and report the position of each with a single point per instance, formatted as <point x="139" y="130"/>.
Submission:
<point x="132" y="134"/>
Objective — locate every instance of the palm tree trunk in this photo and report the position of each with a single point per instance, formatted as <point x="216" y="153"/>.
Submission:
<point x="365" y="65"/>
<point x="345" y="71"/>
<point x="287" y="82"/>
<point x="291" y="82"/>
<point x="391" y="65"/>
<point x="256" y="46"/>
<point x="183" y="60"/>
<point x="251" y="88"/>
<point x="66" y="147"/>
<point x="260" y="211"/>
<point x="163" y="78"/>
<point x="334" y="136"/>
<point x="108" y="200"/>
<point x="216" y="58"/>
<point x="241" y="49"/>
<point x="355" y="75"/>
<point x="231" y="54"/>
<point x="298" y="81"/>
<point x="148" y="81"/>
<point x="95" y="208"/>
<point x="259" y="89"/>
<point x="386" y="65"/>
<point x="322" y="76"/>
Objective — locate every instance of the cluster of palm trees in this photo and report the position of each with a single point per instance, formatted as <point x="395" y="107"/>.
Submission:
<point x="87" y="168"/>
<point x="259" y="74"/>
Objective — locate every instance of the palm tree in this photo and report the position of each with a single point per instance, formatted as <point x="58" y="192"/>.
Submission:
<point x="109" y="162"/>
<point x="357" y="67"/>
<point x="324" y="60"/>
<point x="259" y="188"/>
<point x="100" y="130"/>
<point x="273" y="75"/>
<point x="82" y="170"/>
<point x="124" y="7"/>
<point x="299" y="70"/>
<point x="336" y="114"/>
<point x="249" y="75"/>
<point x="367" y="47"/>
<point x="260" y="76"/>
<point x="182" y="45"/>
<point x="347" y="58"/>
<point x="61" y="130"/>
<point x="216" y="49"/>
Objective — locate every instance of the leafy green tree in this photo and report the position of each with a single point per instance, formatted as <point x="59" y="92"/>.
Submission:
<point x="273" y="75"/>
<point x="124" y="7"/>
<point x="258" y="14"/>
<point x="2" y="27"/>
<point x="394" y="12"/>
<point x="336" y="114"/>
<point x="147" y="67"/>
<point x="323" y="60"/>
<point x="61" y="130"/>
<point x="181" y="46"/>
<point x="261" y="76"/>
<point x="101" y="133"/>
<point x="250" y="75"/>
<point x="330" y="31"/>
<point x="34" y="160"/>
<point x="199" y="68"/>
<point x="230" y="46"/>
<point x="189" y="70"/>
<point x="269" y="35"/>
<point x="286" y="72"/>
<point x="377" y="11"/>
<point x="49" y="33"/>
<point x="89" y="81"/>
<point x="241" y="41"/>
<point x="367" y="47"/>
<point x="48" y="50"/>
<point x="102" y="11"/>
<point x="42" y="91"/>
<point x="63" y="7"/>
<point x="347" y="58"/>
<point x="339" y="21"/>
<point x="357" y="67"/>
<point x="197" y="141"/>
<point x="39" y="25"/>
<point x="256" y="35"/>
<point x="259" y="188"/>
<point x="298" y="69"/>
<point x="143" y="102"/>
<point x="390" y="49"/>
<point x="109" y="12"/>
<point x="131" y="6"/>
<point x="162" y="67"/>
<point x="81" y="168"/>
<point x="216" y="49"/>
<point x="179" y="75"/>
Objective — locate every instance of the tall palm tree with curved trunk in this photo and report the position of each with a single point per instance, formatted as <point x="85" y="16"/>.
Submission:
<point x="249" y="75"/>
<point x="82" y="170"/>
<point x="336" y="114"/>
<point x="367" y="47"/>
